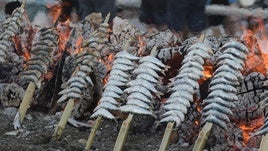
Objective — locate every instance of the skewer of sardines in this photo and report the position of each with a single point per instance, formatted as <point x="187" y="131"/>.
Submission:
<point x="120" y="75"/>
<point x="184" y="86"/>
<point x="222" y="90"/>
<point x="80" y="79"/>
<point x="41" y="57"/>
<point x="11" y="27"/>
<point x="140" y="92"/>
<point x="264" y="129"/>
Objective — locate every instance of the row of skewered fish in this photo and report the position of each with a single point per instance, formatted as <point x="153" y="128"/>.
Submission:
<point x="222" y="89"/>
<point x="120" y="74"/>
<point x="186" y="83"/>
<point x="11" y="27"/>
<point x="142" y="89"/>
<point x="41" y="56"/>
<point x="85" y="62"/>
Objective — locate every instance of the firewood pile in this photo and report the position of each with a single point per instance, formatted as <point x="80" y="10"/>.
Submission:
<point x="92" y="69"/>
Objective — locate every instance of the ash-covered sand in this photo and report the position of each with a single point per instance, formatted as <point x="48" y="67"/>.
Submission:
<point x="40" y="128"/>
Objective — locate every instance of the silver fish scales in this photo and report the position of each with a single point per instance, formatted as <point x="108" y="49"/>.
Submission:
<point x="153" y="60"/>
<point x="134" y="109"/>
<point x="102" y="112"/>
<point x="122" y="66"/>
<point x="222" y="91"/>
<point x="178" y="113"/>
<point x="152" y="66"/>
<point x="142" y="88"/>
<point x="144" y="83"/>
<point x="140" y="96"/>
<point x="146" y="70"/>
<point x="126" y="55"/>
<point x="184" y="84"/>
<point x="115" y="89"/>
<point x="220" y="101"/>
<point x="181" y="100"/>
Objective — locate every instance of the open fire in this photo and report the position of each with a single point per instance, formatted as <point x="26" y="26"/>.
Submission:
<point x="92" y="58"/>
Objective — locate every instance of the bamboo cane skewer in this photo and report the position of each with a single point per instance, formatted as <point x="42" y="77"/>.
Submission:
<point x="126" y="124"/>
<point x="225" y="96"/>
<point x="100" y="116"/>
<point x="167" y="134"/>
<point x="202" y="137"/>
<point x="264" y="143"/>
<point x="99" y="33"/>
<point x="93" y="132"/>
<point x="27" y="99"/>
<point x="64" y="118"/>
<point x="123" y="133"/>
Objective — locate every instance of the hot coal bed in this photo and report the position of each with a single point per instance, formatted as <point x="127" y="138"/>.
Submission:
<point x="116" y="71"/>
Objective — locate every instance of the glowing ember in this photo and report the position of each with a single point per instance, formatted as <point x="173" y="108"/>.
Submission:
<point x="48" y="75"/>
<point x="250" y="127"/>
<point x="26" y="55"/>
<point x="141" y="45"/>
<point x="208" y="71"/>
<point x="108" y="64"/>
<point x="78" y="45"/>
<point x="196" y="122"/>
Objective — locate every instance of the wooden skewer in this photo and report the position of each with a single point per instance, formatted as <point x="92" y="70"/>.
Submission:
<point x="63" y="121"/>
<point x="202" y="137"/>
<point x="26" y="101"/>
<point x="123" y="133"/>
<point x="126" y="124"/>
<point x="93" y="133"/>
<point x="166" y="136"/>
<point x="170" y="125"/>
<point x="264" y="143"/>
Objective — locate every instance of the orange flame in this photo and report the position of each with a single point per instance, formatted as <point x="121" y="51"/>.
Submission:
<point x="256" y="40"/>
<point x="141" y="45"/>
<point x="208" y="71"/>
<point x="26" y="55"/>
<point x="108" y="64"/>
<point x="250" y="127"/>
<point x="55" y="11"/>
<point x="78" y="45"/>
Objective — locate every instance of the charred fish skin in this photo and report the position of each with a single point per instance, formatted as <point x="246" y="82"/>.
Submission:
<point x="222" y="90"/>
<point x="183" y="86"/>
<point x="39" y="61"/>
<point x="11" y="27"/>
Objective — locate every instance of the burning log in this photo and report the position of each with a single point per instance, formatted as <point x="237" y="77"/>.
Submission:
<point x="11" y="27"/>
<point x="222" y="90"/>
<point x="81" y="78"/>
<point x="264" y="128"/>
<point x="120" y="74"/>
<point x="140" y="92"/>
<point x="183" y="87"/>
<point x="36" y="67"/>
